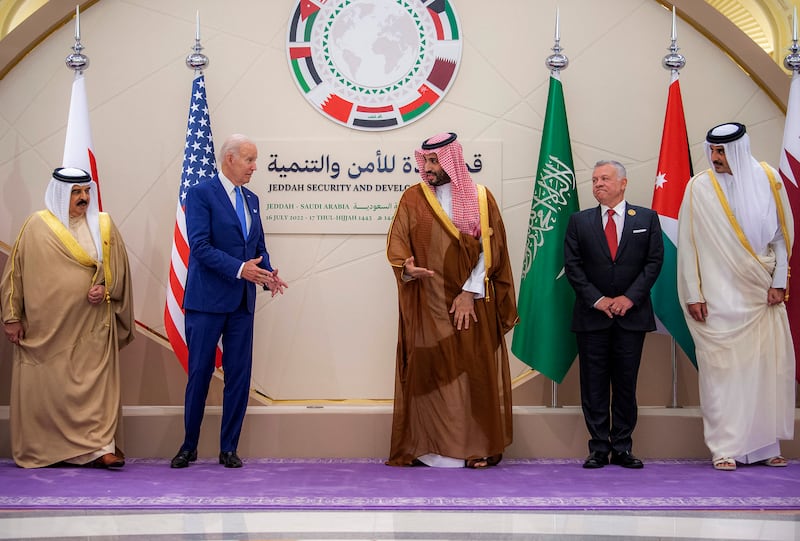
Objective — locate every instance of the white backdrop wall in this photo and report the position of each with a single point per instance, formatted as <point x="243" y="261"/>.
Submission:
<point x="333" y="334"/>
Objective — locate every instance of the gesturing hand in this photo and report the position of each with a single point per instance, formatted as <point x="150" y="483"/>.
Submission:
<point x="414" y="272"/>
<point x="253" y="273"/>
<point x="276" y="284"/>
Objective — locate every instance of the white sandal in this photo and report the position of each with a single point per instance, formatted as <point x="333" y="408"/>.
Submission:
<point x="776" y="462"/>
<point x="724" y="464"/>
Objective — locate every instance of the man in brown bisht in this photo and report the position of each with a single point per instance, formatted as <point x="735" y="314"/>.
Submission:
<point x="67" y="308"/>
<point x="447" y="247"/>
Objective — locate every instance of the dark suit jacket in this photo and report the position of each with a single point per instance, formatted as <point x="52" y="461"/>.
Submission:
<point x="218" y="248"/>
<point x="592" y="273"/>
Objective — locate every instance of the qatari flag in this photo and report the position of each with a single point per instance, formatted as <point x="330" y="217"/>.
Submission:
<point x="790" y="173"/>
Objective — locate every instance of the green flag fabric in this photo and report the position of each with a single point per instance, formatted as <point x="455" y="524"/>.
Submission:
<point x="543" y="339"/>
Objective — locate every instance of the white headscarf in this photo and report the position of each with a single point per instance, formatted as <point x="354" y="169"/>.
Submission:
<point x="57" y="198"/>
<point x="747" y="187"/>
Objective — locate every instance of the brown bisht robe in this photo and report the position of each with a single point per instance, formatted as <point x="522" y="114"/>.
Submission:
<point x="452" y="388"/>
<point x="65" y="390"/>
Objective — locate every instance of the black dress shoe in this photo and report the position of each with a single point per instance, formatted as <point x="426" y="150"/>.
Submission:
<point x="182" y="459"/>
<point x="626" y="459"/>
<point x="230" y="459"/>
<point x="595" y="460"/>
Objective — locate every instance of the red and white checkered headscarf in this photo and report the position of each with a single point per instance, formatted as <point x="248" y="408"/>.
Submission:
<point x="466" y="214"/>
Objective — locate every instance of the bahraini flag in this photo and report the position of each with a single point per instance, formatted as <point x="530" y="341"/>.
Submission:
<point x="78" y="147"/>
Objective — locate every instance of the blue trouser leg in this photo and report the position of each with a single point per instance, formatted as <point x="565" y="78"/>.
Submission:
<point x="237" y="362"/>
<point x="203" y="330"/>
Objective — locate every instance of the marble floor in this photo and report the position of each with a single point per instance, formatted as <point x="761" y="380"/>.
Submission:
<point x="398" y="525"/>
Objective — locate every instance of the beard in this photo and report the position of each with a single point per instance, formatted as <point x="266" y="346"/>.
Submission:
<point x="439" y="178"/>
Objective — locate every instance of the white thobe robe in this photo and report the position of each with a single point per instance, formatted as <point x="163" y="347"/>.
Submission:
<point x="744" y="348"/>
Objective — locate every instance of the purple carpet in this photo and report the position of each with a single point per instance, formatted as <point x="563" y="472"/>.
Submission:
<point x="367" y="484"/>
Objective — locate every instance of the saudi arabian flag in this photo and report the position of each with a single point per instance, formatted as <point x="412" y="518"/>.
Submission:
<point x="543" y="339"/>
<point x="674" y="172"/>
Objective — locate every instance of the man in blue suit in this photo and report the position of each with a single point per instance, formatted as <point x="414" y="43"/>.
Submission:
<point x="612" y="256"/>
<point x="228" y="259"/>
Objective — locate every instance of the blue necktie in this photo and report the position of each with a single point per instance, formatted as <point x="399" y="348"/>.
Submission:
<point x="240" y="210"/>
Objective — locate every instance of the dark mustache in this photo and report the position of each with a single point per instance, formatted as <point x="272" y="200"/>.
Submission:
<point x="82" y="203"/>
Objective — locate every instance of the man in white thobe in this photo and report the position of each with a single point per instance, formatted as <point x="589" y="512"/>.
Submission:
<point x="735" y="235"/>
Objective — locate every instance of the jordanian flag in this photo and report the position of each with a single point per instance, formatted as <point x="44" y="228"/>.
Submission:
<point x="302" y="22"/>
<point x="543" y="339"/>
<point x="674" y="172"/>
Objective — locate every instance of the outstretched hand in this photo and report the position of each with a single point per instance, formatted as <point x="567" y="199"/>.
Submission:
<point x="412" y="271"/>
<point x="276" y="284"/>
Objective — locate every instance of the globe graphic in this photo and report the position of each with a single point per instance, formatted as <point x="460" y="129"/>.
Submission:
<point x="373" y="43"/>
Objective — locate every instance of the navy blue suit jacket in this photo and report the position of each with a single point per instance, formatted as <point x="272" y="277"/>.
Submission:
<point x="218" y="248"/>
<point x="593" y="274"/>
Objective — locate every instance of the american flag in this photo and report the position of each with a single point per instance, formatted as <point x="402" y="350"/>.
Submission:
<point x="199" y="165"/>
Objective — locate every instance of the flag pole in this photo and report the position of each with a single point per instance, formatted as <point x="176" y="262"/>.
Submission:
<point x="77" y="61"/>
<point x="556" y="62"/>
<point x="197" y="60"/>
<point x="674" y="61"/>
<point x="792" y="60"/>
<point x="78" y="147"/>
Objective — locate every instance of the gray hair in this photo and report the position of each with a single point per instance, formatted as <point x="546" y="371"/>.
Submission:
<point x="232" y="145"/>
<point x="621" y="173"/>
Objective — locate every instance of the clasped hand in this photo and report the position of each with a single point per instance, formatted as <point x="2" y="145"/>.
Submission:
<point x="614" y="307"/>
<point x="253" y="273"/>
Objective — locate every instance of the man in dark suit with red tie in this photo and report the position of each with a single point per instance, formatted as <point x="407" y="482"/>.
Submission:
<point x="227" y="259"/>
<point x="612" y="256"/>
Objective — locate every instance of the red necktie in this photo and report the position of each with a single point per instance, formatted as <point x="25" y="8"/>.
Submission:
<point x="611" y="234"/>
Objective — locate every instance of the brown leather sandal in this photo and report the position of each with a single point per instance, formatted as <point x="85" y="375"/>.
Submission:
<point x="494" y="460"/>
